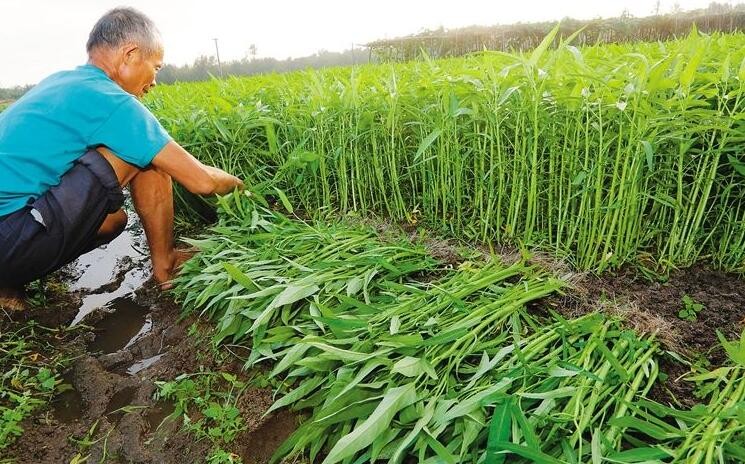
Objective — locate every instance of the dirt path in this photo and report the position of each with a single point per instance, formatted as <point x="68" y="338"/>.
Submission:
<point x="134" y="338"/>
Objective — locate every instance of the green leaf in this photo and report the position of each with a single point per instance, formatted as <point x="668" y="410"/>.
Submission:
<point x="499" y="431"/>
<point x="649" y="154"/>
<point x="283" y="198"/>
<point x="536" y="456"/>
<point x="395" y="325"/>
<point x="239" y="277"/>
<point x="426" y="142"/>
<point x="408" y="367"/>
<point x="639" y="455"/>
<point x="647" y="428"/>
<point x="413" y="435"/>
<point x="290" y="357"/>
<point x="293" y="293"/>
<point x="438" y="448"/>
<point x="556" y="393"/>
<point x="611" y="358"/>
<point x="543" y="46"/>
<point x="379" y="421"/>
<point x="595" y="448"/>
<point x="467" y="406"/>
<point x="354" y="285"/>
<point x="340" y="354"/>
<point x="297" y="394"/>
<point x="738" y="165"/>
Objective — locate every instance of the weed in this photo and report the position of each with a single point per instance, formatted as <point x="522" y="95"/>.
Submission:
<point x="29" y="378"/>
<point x="690" y="309"/>
<point x="206" y="401"/>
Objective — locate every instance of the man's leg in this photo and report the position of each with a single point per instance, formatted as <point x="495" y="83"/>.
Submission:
<point x="152" y="194"/>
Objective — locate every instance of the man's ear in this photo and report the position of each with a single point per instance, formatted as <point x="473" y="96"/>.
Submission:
<point x="130" y="52"/>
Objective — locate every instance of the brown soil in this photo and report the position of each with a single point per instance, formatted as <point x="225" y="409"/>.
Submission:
<point x="102" y="386"/>
<point x="653" y="306"/>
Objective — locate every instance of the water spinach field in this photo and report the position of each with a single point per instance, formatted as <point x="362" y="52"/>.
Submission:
<point x="499" y="258"/>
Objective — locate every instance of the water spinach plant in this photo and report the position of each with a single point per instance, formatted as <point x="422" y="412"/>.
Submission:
<point x="603" y="155"/>
<point x="395" y="357"/>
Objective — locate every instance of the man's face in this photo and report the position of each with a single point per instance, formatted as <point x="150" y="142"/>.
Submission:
<point x="138" y="70"/>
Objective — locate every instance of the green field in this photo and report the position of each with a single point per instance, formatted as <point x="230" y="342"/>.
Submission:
<point x="602" y="157"/>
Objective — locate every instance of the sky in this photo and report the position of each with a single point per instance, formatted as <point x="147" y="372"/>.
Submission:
<point x="39" y="37"/>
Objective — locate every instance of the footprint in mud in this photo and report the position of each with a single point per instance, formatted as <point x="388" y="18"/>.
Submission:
<point x="121" y="399"/>
<point x="67" y="407"/>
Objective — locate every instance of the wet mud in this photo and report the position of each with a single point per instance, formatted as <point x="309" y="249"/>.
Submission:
<point x="129" y="336"/>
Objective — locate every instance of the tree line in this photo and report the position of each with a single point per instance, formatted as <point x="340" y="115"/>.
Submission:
<point x="440" y="43"/>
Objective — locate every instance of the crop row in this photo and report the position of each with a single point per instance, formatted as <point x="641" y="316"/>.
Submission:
<point x="604" y="155"/>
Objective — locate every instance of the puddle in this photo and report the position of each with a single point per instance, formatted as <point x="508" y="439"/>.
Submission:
<point x="143" y="364"/>
<point x="67" y="407"/>
<point x="132" y="281"/>
<point x="120" y="328"/>
<point x="105" y="267"/>
<point x="120" y="399"/>
<point x="100" y="266"/>
<point x="158" y="413"/>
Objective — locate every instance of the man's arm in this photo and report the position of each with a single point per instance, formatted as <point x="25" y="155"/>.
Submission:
<point x="195" y="176"/>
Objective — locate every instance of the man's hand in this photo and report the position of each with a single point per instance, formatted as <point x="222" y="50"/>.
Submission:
<point x="188" y="171"/>
<point x="224" y="182"/>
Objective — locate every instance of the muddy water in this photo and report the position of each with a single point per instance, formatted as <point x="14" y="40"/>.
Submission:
<point x="158" y="413"/>
<point x="112" y="272"/>
<point x="118" y="329"/>
<point x="132" y="281"/>
<point x="121" y="399"/>
<point x="144" y="364"/>
<point x="99" y="267"/>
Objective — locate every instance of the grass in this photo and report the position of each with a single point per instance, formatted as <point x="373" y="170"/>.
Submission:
<point x="206" y="404"/>
<point x="602" y="156"/>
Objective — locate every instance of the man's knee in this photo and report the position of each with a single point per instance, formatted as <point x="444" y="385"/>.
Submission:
<point x="112" y="226"/>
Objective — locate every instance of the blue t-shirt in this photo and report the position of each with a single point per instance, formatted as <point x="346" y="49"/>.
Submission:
<point x="56" y="122"/>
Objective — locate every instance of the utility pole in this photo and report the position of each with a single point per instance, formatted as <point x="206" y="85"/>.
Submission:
<point x="219" y="64"/>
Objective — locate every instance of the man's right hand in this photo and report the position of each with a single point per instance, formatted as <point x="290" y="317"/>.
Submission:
<point x="195" y="176"/>
<point x="224" y="182"/>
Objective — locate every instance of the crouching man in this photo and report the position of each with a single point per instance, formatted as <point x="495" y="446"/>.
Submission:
<point x="69" y="146"/>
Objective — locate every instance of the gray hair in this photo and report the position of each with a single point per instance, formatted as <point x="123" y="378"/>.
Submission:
<point x="125" y="25"/>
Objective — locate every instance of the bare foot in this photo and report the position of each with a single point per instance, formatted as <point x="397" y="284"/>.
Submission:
<point x="178" y="258"/>
<point x="12" y="299"/>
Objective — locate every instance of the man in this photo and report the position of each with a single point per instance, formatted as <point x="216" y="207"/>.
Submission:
<point x="70" y="145"/>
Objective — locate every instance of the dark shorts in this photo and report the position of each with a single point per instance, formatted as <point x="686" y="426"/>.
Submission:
<point x="72" y="213"/>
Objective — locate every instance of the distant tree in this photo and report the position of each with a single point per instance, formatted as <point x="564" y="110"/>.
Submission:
<point x="14" y="93"/>
<point x="206" y="66"/>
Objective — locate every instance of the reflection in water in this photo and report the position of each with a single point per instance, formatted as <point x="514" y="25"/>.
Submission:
<point x="143" y="364"/>
<point x="118" y="329"/>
